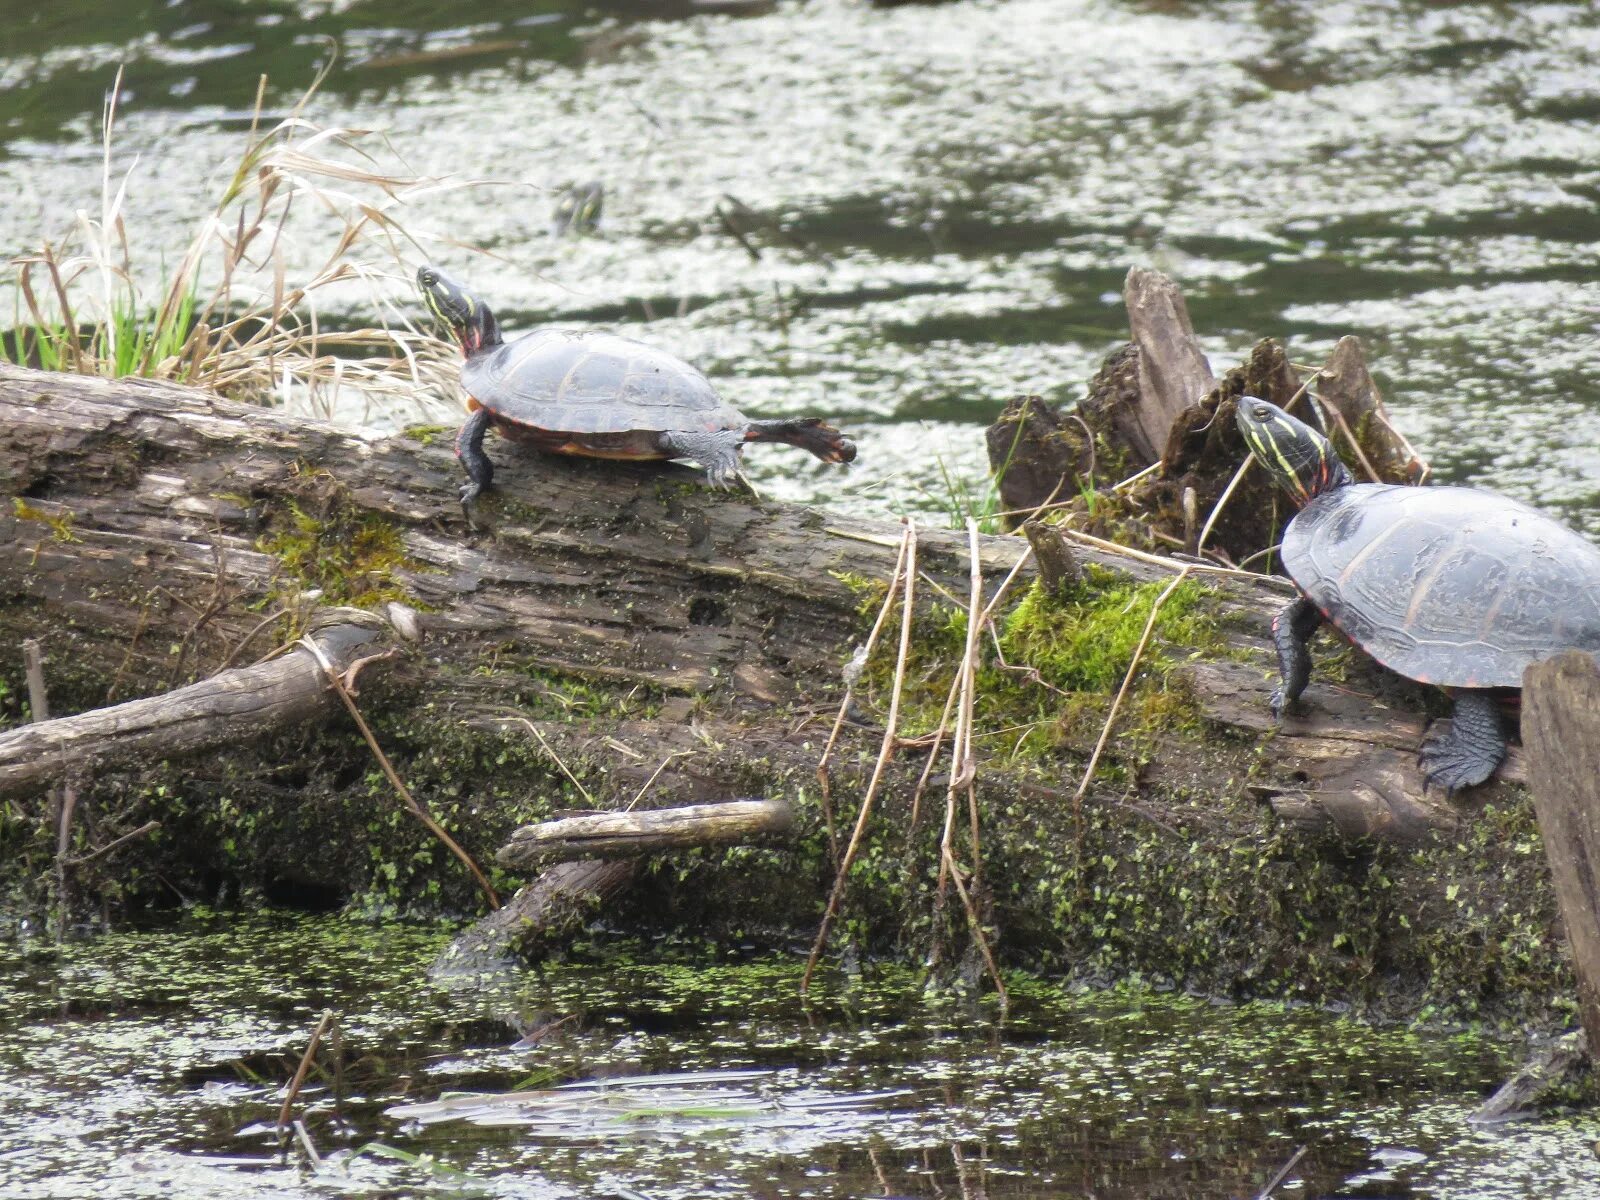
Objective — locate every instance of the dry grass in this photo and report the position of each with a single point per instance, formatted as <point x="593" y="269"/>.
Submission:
<point x="229" y="316"/>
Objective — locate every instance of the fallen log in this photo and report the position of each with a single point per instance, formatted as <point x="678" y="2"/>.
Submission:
<point x="231" y="705"/>
<point x="538" y="918"/>
<point x="622" y="631"/>
<point x="631" y="834"/>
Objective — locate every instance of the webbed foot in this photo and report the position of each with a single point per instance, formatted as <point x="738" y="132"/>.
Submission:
<point x="1466" y="751"/>
<point x="716" y="451"/>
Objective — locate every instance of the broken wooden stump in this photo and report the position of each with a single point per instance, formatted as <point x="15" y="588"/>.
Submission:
<point x="631" y="834"/>
<point x="1561" y="733"/>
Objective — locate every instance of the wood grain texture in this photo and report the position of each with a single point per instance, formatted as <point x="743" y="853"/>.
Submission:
<point x="631" y="834"/>
<point x="1561" y="724"/>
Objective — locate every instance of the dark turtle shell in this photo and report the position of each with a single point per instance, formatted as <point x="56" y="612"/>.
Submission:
<point x="1453" y="586"/>
<point x="566" y="381"/>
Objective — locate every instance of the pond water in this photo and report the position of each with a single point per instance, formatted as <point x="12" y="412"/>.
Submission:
<point x="941" y="202"/>
<point x="943" y="199"/>
<point x="154" y="1064"/>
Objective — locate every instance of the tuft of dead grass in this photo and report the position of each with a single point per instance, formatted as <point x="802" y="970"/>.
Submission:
<point x="229" y="317"/>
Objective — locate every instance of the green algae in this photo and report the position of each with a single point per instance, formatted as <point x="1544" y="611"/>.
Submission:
<point x="170" y="1046"/>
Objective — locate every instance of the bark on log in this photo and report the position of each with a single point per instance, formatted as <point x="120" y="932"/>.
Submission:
<point x="632" y="834"/>
<point x="1561" y="725"/>
<point x="241" y="703"/>
<point x="154" y="525"/>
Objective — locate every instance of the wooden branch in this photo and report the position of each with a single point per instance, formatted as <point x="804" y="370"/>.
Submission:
<point x="240" y="703"/>
<point x="630" y="834"/>
<point x="1561" y="728"/>
<point x="538" y="918"/>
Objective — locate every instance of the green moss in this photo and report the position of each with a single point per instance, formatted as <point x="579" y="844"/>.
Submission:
<point x="325" y="541"/>
<point x="426" y="435"/>
<point x="1086" y="642"/>
<point x="60" y="525"/>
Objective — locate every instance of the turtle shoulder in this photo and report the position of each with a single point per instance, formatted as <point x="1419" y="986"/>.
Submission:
<point x="587" y="382"/>
<point x="1461" y="587"/>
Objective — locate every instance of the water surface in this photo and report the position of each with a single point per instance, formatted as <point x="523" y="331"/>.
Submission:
<point x="152" y="1063"/>
<point x="943" y="199"/>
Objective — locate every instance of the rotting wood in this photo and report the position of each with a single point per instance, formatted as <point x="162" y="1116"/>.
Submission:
<point x="1561" y="729"/>
<point x="132" y="493"/>
<point x="1173" y="372"/>
<point x="1058" y="569"/>
<point x="631" y="834"/>
<point x="1360" y="423"/>
<point x="233" y="705"/>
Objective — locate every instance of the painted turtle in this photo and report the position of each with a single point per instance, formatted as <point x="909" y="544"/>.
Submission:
<point x="1451" y="586"/>
<point x="597" y="395"/>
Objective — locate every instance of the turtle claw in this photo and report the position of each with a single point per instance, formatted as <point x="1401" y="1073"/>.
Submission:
<point x="1281" y="706"/>
<point x="469" y="494"/>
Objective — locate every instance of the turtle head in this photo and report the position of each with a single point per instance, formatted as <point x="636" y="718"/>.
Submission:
<point x="1300" y="460"/>
<point x="468" y="318"/>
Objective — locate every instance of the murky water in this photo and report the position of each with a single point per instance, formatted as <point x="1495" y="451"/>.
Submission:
<point x="153" y="1064"/>
<point x="943" y="199"/>
<point x="941" y="202"/>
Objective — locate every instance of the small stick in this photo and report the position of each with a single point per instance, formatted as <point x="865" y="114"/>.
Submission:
<point x="147" y="827"/>
<point x="1127" y="681"/>
<point x="1266" y="1192"/>
<point x="304" y="1139"/>
<point x="556" y="758"/>
<point x="963" y="771"/>
<point x="639" y="795"/>
<point x="885" y="751"/>
<point x="1136" y="476"/>
<point x="33" y="664"/>
<point x="393" y="776"/>
<point x="304" y="1069"/>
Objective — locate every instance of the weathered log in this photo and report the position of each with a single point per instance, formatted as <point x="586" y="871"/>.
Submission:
<point x="1556" y="1068"/>
<point x="241" y="703"/>
<point x="1561" y="728"/>
<point x="632" y="834"/>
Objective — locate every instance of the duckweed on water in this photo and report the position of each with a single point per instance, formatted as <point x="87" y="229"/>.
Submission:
<point x="1125" y="1093"/>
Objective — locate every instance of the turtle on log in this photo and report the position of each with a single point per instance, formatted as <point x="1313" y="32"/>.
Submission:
<point x="597" y="395"/>
<point x="1453" y="586"/>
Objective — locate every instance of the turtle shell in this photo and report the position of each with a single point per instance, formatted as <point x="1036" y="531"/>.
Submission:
<point x="1453" y="586"/>
<point x="566" y="381"/>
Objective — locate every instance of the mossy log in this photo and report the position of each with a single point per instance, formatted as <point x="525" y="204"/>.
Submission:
<point x="153" y="526"/>
<point x="623" y="631"/>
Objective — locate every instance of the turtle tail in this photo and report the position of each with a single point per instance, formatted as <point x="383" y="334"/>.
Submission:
<point x="809" y="433"/>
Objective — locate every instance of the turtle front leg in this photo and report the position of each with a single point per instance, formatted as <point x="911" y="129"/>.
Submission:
<point x="717" y="451"/>
<point x="469" y="449"/>
<point x="1291" y="630"/>
<point x="809" y="433"/>
<point x="1469" y="749"/>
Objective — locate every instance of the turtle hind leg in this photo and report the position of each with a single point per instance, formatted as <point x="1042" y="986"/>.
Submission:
<point x="1291" y="630"/>
<point x="809" y="433"/>
<point x="1470" y="749"/>
<point x="469" y="449"/>
<point x="717" y="451"/>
